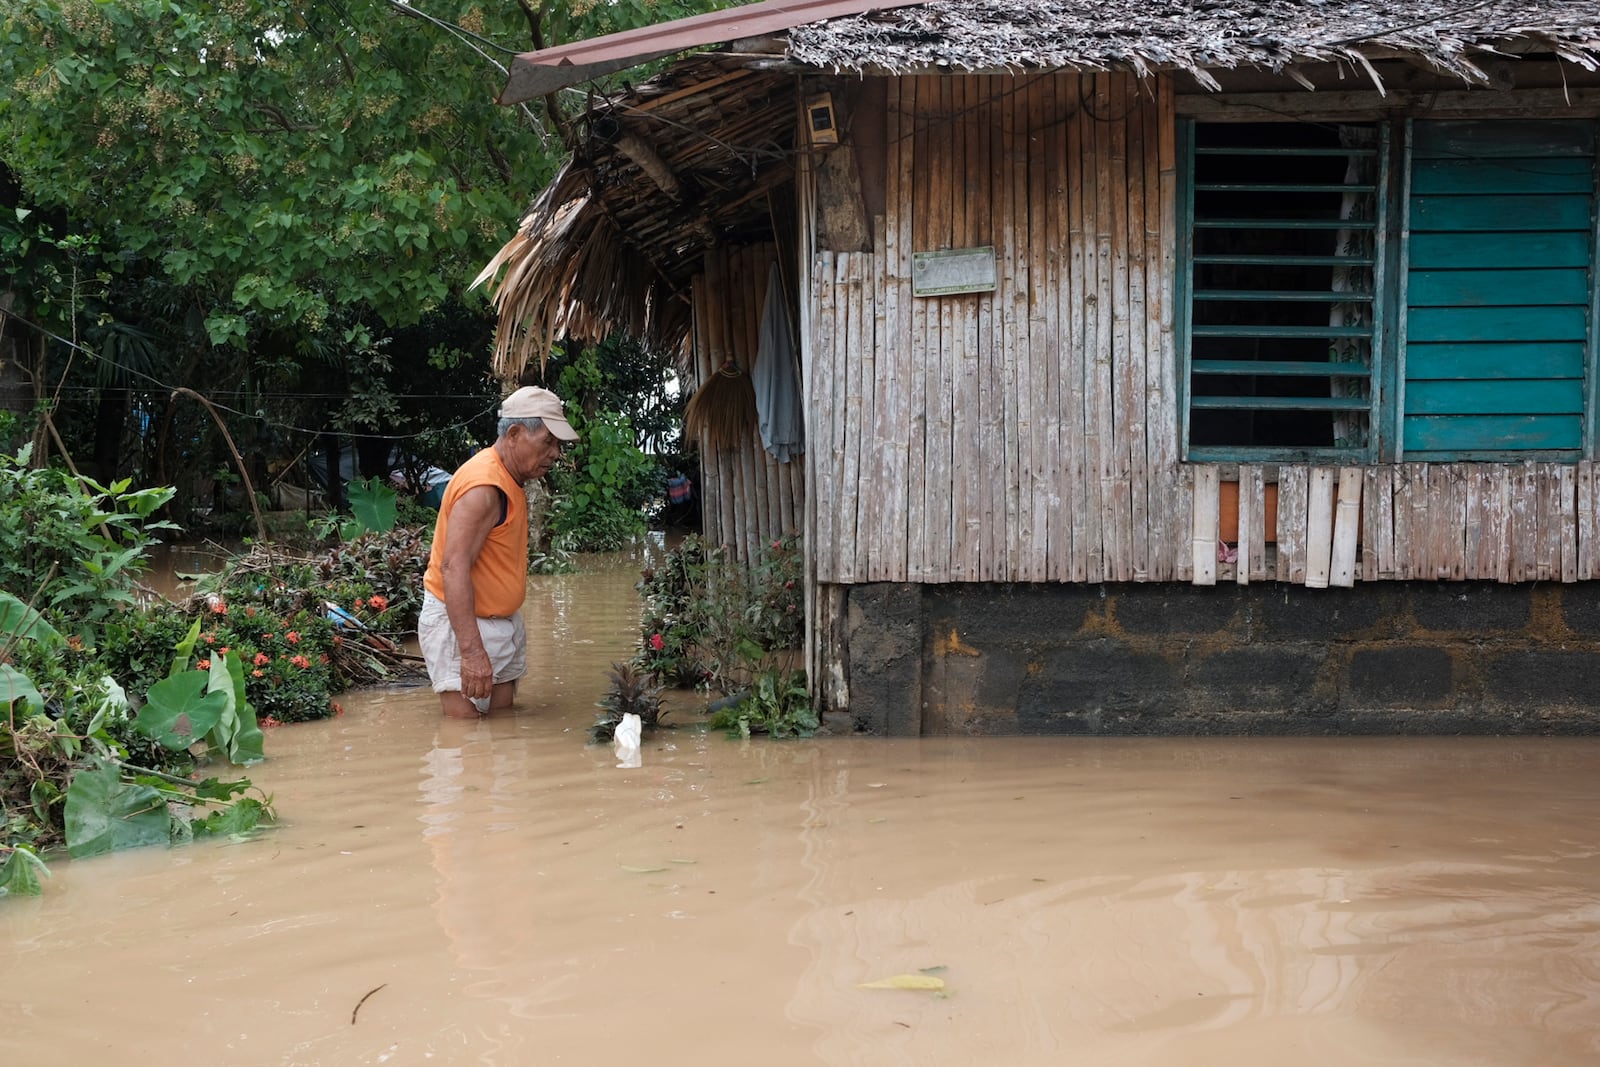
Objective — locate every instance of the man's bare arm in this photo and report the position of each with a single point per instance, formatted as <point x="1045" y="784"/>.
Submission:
<point x="474" y="514"/>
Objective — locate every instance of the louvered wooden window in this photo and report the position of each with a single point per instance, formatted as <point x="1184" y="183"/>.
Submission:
<point x="1334" y="314"/>
<point x="1285" y="257"/>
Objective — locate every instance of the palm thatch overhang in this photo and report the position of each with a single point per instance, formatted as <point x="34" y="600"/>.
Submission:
<point x="1197" y="36"/>
<point x="682" y="163"/>
<point x="691" y="158"/>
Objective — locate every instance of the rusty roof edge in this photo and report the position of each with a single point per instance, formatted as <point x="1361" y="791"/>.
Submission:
<point x="534" y="74"/>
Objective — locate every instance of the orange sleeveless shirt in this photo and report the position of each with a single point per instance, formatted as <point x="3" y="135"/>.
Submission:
<point x="500" y="575"/>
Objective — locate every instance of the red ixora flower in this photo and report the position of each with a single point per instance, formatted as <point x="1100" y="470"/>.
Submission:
<point x="656" y="642"/>
<point x="378" y="602"/>
<point x="269" y="722"/>
<point x="219" y="608"/>
<point x="262" y="659"/>
<point x="293" y="637"/>
<point x="257" y="673"/>
<point x="203" y="665"/>
<point x="300" y="661"/>
<point x="360" y="603"/>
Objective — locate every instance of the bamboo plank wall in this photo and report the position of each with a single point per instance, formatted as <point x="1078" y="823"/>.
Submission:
<point x="747" y="498"/>
<point x="1409" y="521"/>
<point x="1025" y="434"/>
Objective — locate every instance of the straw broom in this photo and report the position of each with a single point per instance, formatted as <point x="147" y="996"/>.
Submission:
<point x="722" y="412"/>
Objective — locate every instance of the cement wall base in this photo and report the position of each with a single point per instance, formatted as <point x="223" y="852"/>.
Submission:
<point x="1128" y="659"/>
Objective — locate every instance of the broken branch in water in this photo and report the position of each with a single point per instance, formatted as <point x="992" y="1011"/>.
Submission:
<point x="362" y="1001"/>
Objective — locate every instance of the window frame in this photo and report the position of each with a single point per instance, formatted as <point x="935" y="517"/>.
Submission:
<point x="1386" y="411"/>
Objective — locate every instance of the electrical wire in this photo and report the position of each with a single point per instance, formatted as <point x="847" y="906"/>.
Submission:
<point x="288" y="427"/>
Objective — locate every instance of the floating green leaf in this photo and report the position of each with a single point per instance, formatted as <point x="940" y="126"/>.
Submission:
<point x="642" y="870"/>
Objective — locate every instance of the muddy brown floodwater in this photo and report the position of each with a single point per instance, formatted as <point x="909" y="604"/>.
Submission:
<point x="514" y="898"/>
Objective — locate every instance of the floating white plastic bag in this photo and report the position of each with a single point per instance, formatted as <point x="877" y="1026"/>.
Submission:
<point x="626" y="738"/>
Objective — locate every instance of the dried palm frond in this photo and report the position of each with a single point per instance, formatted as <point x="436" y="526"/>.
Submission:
<point x="722" y="412"/>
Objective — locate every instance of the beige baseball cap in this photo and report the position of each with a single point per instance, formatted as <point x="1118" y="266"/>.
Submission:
<point x="532" y="402"/>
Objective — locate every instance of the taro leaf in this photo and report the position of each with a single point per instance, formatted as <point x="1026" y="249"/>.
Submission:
<point x="178" y="711"/>
<point x="237" y="733"/>
<point x="19" y="620"/>
<point x="905" y="981"/>
<point x="181" y="652"/>
<point x="374" y="505"/>
<point x="105" y="813"/>
<point x="19" y="874"/>
<point x="15" y="686"/>
<point x="216" y="789"/>
<point x="238" y="818"/>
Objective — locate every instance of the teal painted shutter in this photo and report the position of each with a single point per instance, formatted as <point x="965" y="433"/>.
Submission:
<point x="1499" y="248"/>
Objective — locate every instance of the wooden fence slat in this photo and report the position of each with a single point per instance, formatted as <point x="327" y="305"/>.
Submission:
<point x="1319" y="526"/>
<point x="1292" y="483"/>
<point x="832" y="323"/>
<point x="996" y="133"/>
<point x="1568" y="518"/>
<point x="1138" y="354"/>
<point x="1346" y="528"/>
<point x="1039" y="352"/>
<point x="969" y="449"/>
<point x="1164" y="428"/>
<point x="1183" y="565"/>
<point x="819" y="447"/>
<point x="1111" y="528"/>
<point x="1123" y="366"/>
<point x="913" y="147"/>
<point x="1259" y="570"/>
<point x="1401" y="518"/>
<point x="943" y="540"/>
<point x="1058" y="360"/>
<point x="1203" y="542"/>
<point x="847" y="493"/>
<point x="897" y="355"/>
<point x="1586" y="521"/>
<point x="1245" y="551"/>
<point x="1075" y="373"/>
<point x="1369" y="524"/>
<point x="1525" y="524"/>
<point x="1549" y="512"/>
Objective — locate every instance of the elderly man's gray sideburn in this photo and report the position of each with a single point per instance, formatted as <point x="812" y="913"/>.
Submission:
<point x="529" y="424"/>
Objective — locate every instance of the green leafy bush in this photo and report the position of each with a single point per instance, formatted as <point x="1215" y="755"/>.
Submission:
<point x="602" y="487"/>
<point x="707" y="619"/>
<point x="778" y="704"/>
<point x="70" y="544"/>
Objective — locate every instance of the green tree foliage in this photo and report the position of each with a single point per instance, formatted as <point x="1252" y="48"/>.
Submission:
<point x="276" y="204"/>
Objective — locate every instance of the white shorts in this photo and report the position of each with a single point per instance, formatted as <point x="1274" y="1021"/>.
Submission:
<point x="506" y="641"/>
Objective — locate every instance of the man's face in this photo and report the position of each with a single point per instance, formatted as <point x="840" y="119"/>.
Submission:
<point x="535" y="451"/>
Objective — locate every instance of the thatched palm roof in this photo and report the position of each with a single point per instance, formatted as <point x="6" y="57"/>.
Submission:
<point x="688" y="160"/>
<point x="1194" y="36"/>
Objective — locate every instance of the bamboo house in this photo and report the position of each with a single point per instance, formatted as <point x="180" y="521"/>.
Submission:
<point x="1163" y="367"/>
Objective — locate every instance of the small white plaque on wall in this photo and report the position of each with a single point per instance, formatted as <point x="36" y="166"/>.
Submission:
<point x="955" y="270"/>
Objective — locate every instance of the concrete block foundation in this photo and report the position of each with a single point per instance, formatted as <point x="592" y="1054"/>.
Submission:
<point x="1385" y="658"/>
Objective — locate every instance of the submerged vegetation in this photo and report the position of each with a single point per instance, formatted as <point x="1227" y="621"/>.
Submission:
<point x="711" y="621"/>
<point x="124" y="717"/>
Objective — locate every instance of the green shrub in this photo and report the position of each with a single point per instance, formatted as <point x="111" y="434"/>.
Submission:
<point x="602" y="486"/>
<point x="707" y="618"/>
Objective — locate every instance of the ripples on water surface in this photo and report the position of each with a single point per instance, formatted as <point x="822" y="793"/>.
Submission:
<point x="520" y="900"/>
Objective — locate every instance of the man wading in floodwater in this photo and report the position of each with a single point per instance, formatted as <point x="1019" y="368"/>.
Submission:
<point x="470" y="628"/>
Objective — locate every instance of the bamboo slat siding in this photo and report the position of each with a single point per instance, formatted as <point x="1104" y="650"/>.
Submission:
<point x="747" y="498"/>
<point x="1031" y="433"/>
<point x="1024" y="434"/>
<point x="1409" y="522"/>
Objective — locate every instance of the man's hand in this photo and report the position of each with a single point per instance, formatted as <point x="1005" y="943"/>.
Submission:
<point x="477" y="675"/>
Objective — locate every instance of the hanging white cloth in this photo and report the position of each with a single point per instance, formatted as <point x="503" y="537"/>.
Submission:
<point x="776" y="377"/>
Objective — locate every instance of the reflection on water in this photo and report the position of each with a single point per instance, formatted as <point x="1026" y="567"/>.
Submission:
<point x="515" y="898"/>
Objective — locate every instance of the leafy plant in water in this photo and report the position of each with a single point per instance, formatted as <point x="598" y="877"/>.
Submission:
<point x="709" y="620"/>
<point x="80" y="544"/>
<point x="633" y="691"/>
<point x="778" y="704"/>
<point x="59" y="732"/>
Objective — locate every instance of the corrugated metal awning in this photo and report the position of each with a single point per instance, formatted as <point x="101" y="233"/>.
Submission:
<point x="537" y="73"/>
